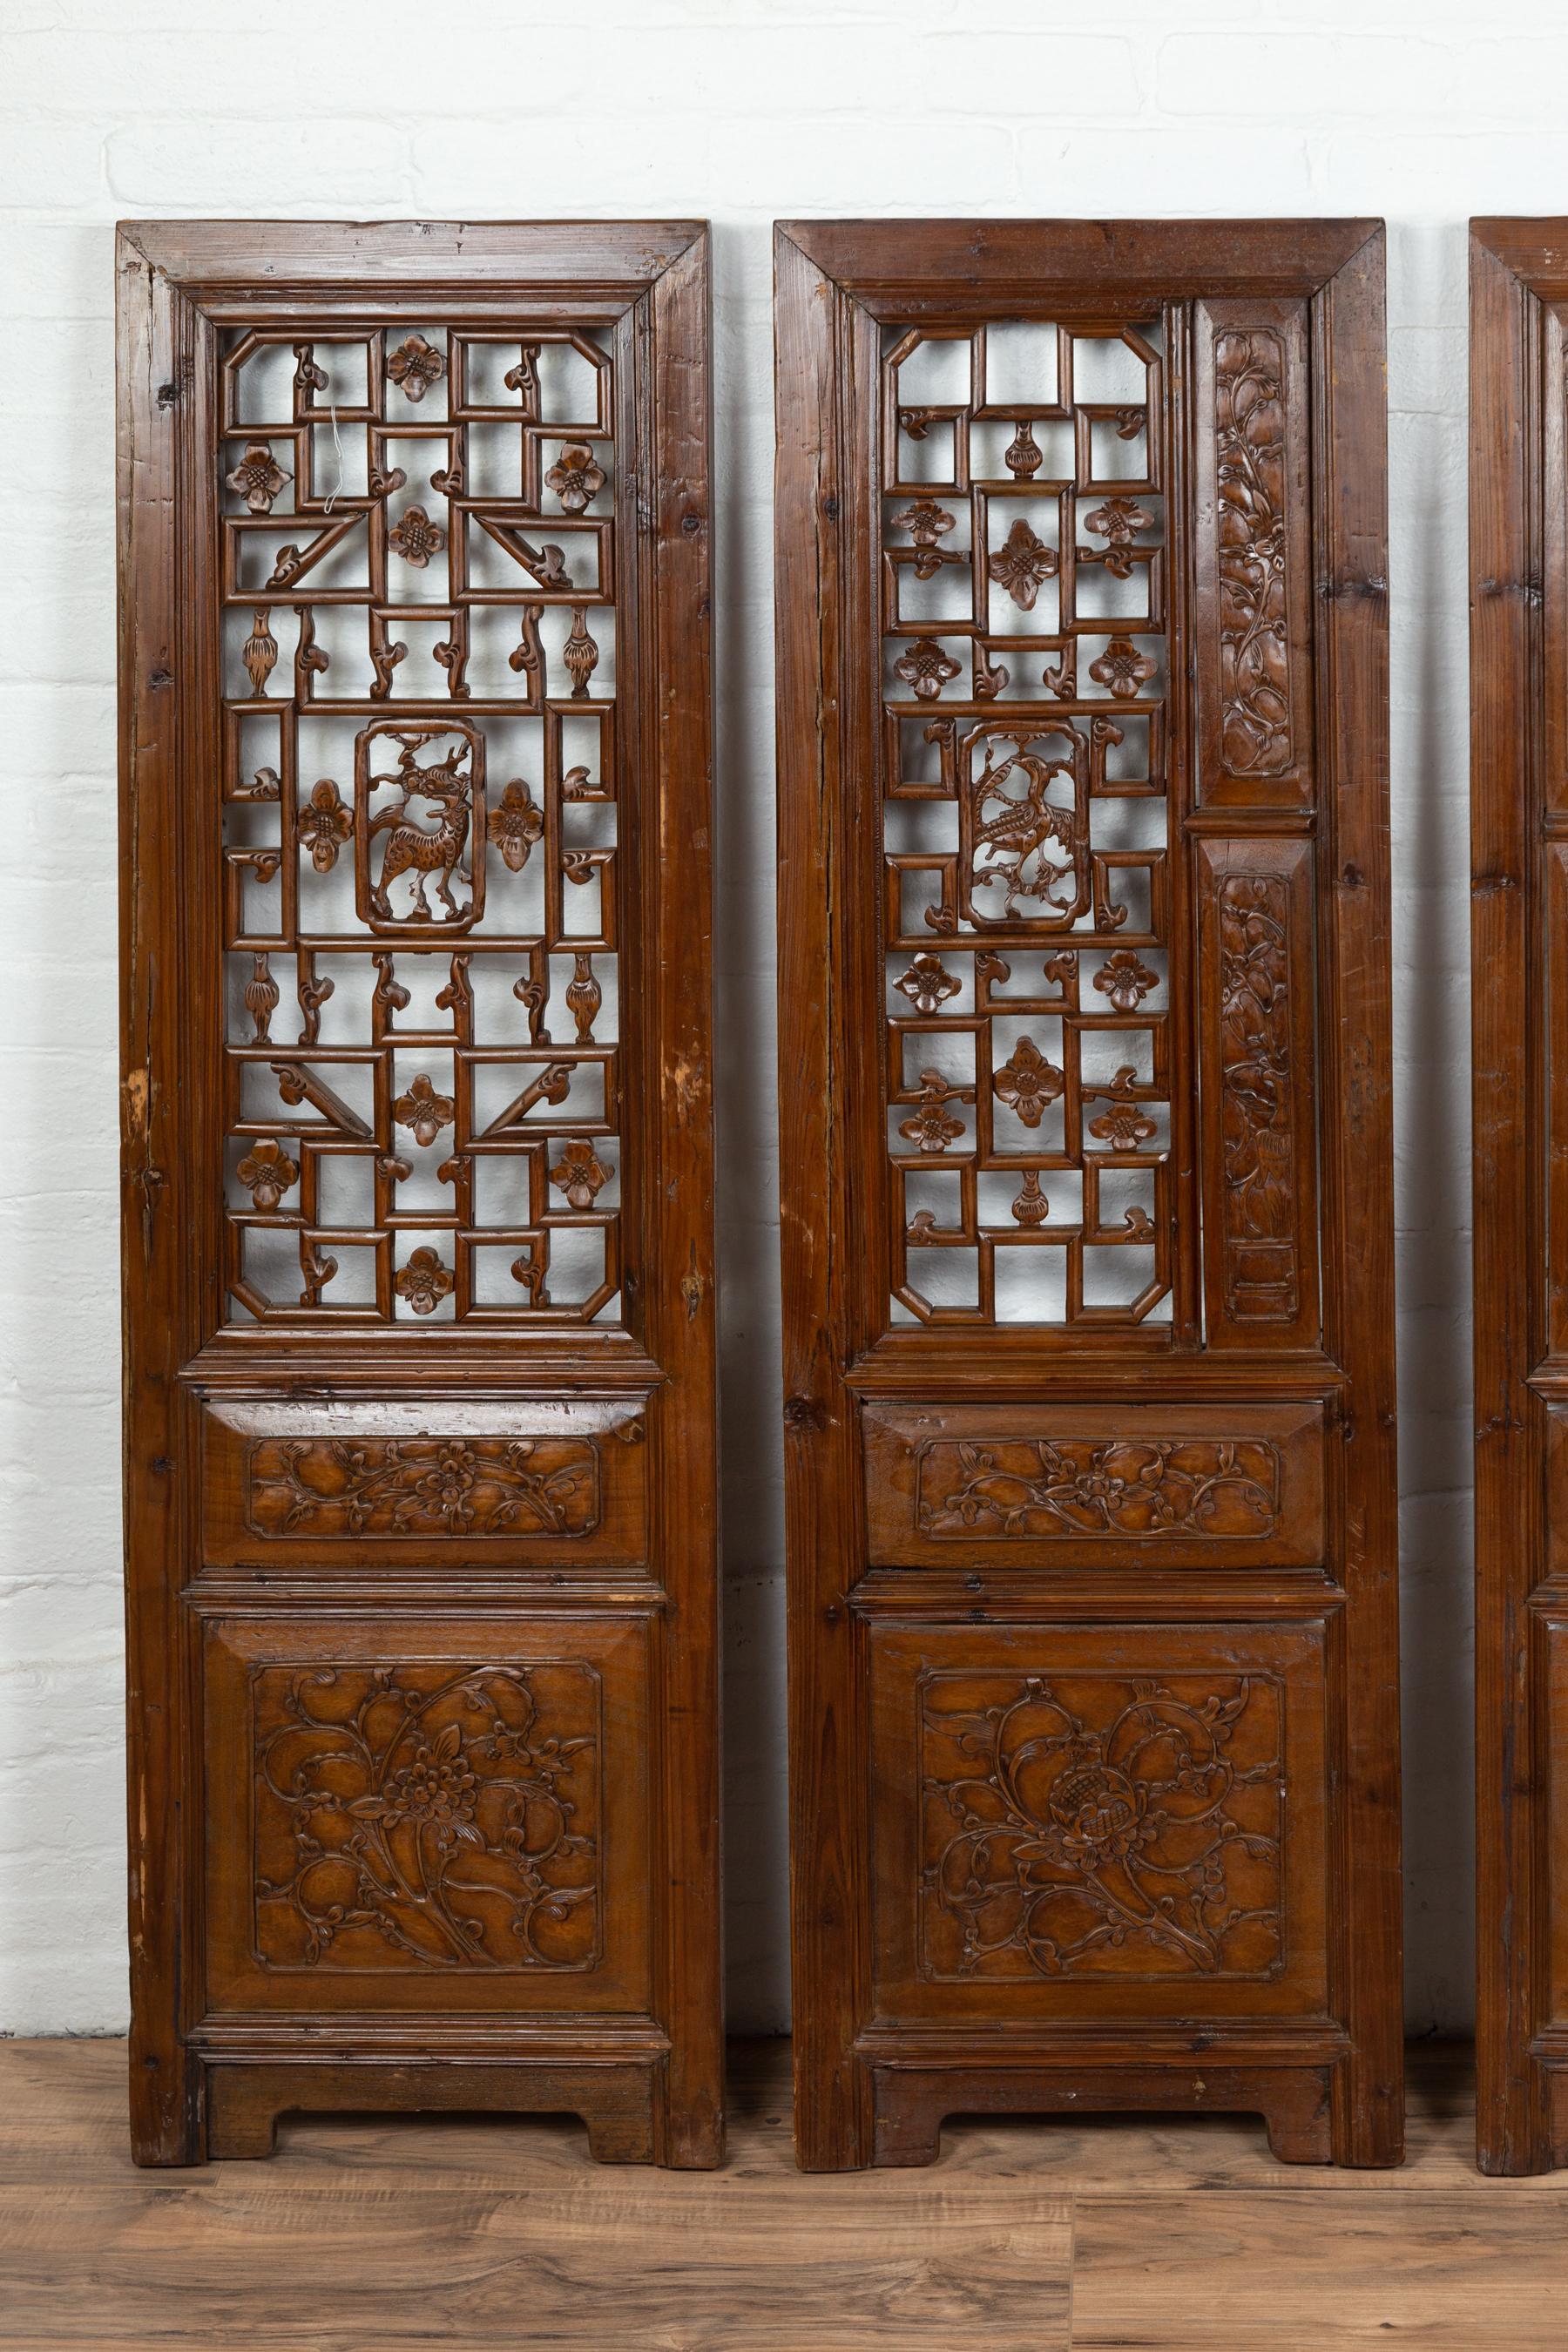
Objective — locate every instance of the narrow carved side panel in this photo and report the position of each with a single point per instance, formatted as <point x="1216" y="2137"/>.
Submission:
<point x="1260" y="1178"/>
<point x="1031" y="1490"/>
<point x="430" y="1818"/>
<point x="323" y="1486"/>
<point x="1255" y="652"/>
<point x="1089" y="1825"/>
<point x="1253" y="577"/>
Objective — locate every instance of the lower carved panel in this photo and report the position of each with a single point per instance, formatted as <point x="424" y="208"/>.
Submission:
<point x="433" y="1814"/>
<point x="428" y="1817"/>
<point x="1095" y="1820"/>
<point x="1095" y="1824"/>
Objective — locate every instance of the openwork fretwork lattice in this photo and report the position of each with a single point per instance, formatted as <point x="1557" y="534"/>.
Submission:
<point x="419" y="789"/>
<point x="1026" y="828"/>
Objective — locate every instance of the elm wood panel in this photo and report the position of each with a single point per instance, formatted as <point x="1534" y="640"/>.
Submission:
<point x="1257" y="984"/>
<point x="1519" y="582"/>
<point x="1552" y="1342"/>
<point x="335" y="1489"/>
<point x="618" y="2101"/>
<point x="442" y="1816"/>
<point x="1252" y="554"/>
<point x="911" y="2103"/>
<point x="1081" y="1823"/>
<point x="1112" y="1486"/>
<point x="188" y="291"/>
<point x="835" y="283"/>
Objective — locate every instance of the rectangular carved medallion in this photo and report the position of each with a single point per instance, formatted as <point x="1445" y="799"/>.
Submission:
<point x="418" y="1235"/>
<point x="1088" y="1269"/>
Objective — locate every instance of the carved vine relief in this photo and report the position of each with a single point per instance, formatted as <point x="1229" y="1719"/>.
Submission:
<point x="428" y="1817"/>
<point x="1259" y="1099"/>
<point x="1255" y="654"/>
<point x="419" y="805"/>
<point x="1101" y="1825"/>
<point x="1030" y="1489"/>
<point x="1026" y="829"/>
<point x="422" y="1487"/>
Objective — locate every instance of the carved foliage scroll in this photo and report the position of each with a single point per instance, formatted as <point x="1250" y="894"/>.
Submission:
<point x="436" y="1817"/>
<point x="422" y="1487"/>
<point x="1255" y="927"/>
<point x="1075" y="1489"/>
<point x="1094" y="1825"/>
<point x="1253" y="570"/>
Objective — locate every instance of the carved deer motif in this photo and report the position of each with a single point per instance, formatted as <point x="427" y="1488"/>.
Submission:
<point x="410" y="848"/>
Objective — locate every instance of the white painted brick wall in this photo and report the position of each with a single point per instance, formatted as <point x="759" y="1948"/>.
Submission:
<point x="741" y="110"/>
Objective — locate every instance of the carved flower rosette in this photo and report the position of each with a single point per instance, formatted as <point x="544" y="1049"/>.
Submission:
<point x="1127" y="1841"/>
<point x="427" y="1818"/>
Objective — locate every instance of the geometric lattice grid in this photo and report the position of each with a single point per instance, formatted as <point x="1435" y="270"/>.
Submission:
<point x="1026" y="825"/>
<point x="419" y="789"/>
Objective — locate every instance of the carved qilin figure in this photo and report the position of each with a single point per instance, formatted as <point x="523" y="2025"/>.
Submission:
<point x="410" y="848"/>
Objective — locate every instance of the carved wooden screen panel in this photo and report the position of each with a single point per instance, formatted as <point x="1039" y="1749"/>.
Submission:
<point x="1519" y="720"/>
<point x="1088" y="1264"/>
<point x="418" y="1237"/>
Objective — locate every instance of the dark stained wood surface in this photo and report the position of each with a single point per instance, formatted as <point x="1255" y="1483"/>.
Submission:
<point x="1004" y="1591"/>
<point x="421" y="1576"/>
<point x="1519" y="629"/>
<point x="1170" y="2233"/>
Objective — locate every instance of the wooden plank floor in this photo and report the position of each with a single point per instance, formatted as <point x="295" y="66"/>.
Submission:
<point x="378" y="2235"/>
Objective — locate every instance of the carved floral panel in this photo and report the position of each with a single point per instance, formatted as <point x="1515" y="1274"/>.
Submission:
<point x="1035" y="1488"/>
<point x="1093" y="1825"/>
<point x="1030" y="960"/>
<point x="432" y="1818"/>
<point x="322" y="1487"/>
<point x="419" y="794"/>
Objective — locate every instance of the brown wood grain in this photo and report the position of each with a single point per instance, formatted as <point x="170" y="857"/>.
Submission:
<point x="1160" y="2231"/>
<point x="422" y="1613"/>
<point x="1249" y="516"/>
<point x="1519" y="594"/>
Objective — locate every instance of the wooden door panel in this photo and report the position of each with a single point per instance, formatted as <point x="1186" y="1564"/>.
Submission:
<point x="1063" y="1486"/>
<point x="1088" y="1247"/>
<point x="424" y="1482"/>
<point x="1123" y="1823"/>
<point x="432" y="1818"/>
<point x="420" y="1445"/>
<point x="1519" y="816"/>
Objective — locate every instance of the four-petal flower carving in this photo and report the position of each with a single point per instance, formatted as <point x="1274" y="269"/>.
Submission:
<point x="926" y="668"/>
<point x="1125" y="1125"/>
<point x="415" y="538"/>
<point x="325" y="824"/>
<point x="423" y="1111"/>
<point x="416" y="365"/>
<point x="928" y="983"/>
<point x="516" y="822"/>
<point x="424" y="1282"/>
<point x="580" y="1174"/>
<point x="1028" y="1084"/>
<point x="926" y="524"/>
<point x="1121" y="670"/>
<point x="576" y="476"/>
<point x="257" y="477"/>
<point x="267" y="1172"/>
<point x="933" y="1126"/>
<point x="1118" y="522"/>
<point x="1125" y="980"/>
<point x="1023" y="564"/>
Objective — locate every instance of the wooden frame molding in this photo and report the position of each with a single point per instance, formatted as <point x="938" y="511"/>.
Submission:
<point x="421" y="1505"/>
<point x="1519" y="833"/>
<point x="1086" y="1172"/>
